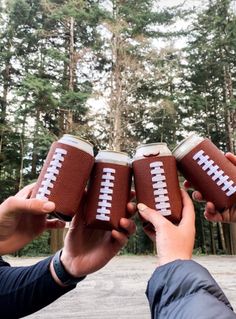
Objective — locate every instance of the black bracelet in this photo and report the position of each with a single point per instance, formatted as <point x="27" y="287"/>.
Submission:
<point x="61" y="272"/>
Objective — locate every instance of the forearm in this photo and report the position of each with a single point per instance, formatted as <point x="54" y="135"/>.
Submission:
<point x="24" y="290"/>
<point x="183" y="287"/>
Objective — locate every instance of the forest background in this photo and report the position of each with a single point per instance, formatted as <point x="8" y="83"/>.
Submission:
<point x="117" y="73"/>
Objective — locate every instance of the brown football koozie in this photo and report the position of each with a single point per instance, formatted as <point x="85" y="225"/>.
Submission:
<point x="211" y="173"/>
<point x="108" y="194"/>
<point x="64" y="176"/>
<point x="156" y="181"/>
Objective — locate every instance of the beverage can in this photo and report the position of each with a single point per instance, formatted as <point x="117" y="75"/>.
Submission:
<point x="208" y="170"/>
<point x="156" y="180"/>
<point x="64" y="175"/>
<point x="108" y="190"/>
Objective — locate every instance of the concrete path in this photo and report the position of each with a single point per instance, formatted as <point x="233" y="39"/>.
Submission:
<point x="118" y="290"/>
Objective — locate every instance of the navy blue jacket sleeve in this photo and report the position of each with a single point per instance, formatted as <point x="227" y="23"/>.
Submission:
<point x="24" y="290"/>
<point x="184" y="289"/>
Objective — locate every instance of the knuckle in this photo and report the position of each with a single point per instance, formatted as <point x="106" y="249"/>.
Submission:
<point x="10" y="201"/>
<point x="30" y="204"/>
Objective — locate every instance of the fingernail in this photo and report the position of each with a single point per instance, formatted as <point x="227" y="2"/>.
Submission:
<point x="48" y="207"/>
<point x="141" y="207"/>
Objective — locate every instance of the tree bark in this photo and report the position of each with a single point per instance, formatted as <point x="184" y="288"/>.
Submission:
<point x="72" y="72"/>
<point x="222" y="237"/>
<point x="230" y="126"/>
<point x="35" y="151"/>
<point x="3" y="101"/>
<point x="116" y="105"/>
<point x="213" y="245"/>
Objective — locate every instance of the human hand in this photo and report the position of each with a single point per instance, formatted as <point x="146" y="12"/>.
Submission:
<point x="23" y="219"/>
<point x="86" y="250"/>
<point x="210" y="213"/>
<point x="172" y="241"/>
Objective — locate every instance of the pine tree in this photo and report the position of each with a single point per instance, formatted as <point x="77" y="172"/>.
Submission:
<point x="135" y="72"/>
<point x="210" y="79"/>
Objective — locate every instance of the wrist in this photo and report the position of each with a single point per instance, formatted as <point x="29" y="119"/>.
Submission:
<point x="54" y="275"/>
<point x="67" y="262"/>
<point x="166" y="260"/>
<point x="60" y="274"/>
<point x="71" y="266"/>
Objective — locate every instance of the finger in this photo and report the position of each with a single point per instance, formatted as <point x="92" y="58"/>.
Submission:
<point x="188" y="213"/>
<point x="76" y="220"/>
<point x="187" y="184"/>
<point x="120" y="238"/>
<point x="210" y="208"/>
<point x="151" y="215"/>
<point x="34" y="206"/>
<point x="54" y="224"/>
<point x="26" y="191"/>
<point x="211" y="214"/>
<point x="197" y="196"/>
<point x="215" y="217"/>
<point x="128" y="226"/>
<point x="231" y="157"/>
<point x="131" y="209"/>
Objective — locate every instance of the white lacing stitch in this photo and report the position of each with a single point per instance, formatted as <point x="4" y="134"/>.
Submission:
<point x="51" y="174"/>
<point x="162" y="201"/>
<point x="215" y="172"/>
<point x="105" y="196"/>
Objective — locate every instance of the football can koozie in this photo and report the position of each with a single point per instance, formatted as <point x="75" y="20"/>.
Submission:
<point x="64" y="175"/>
<point x="156" y="180"/>
<point x="108" y="190"/>
<point x="208" y="170"/>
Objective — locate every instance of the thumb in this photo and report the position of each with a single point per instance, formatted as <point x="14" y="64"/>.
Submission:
<point x="19" y="205"/>
<point x="188" y="213"/>
<point x="151" y="215"/>
<point x="26" y="191"/>
<point x="231" y="157"/>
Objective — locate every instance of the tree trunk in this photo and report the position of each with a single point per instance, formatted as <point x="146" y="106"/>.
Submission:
<point x="35" y="143"/>
<point x="56" y="240"/>
<point x="66" y="120"/>
<point x="117" y="104"/>
<point x="213" y="245"/>
<point x="3" y="101"/>
<point x="116" y="88"/>
<point x="203" y="245"/>
<point x="222" y="237"/>
<point x="230" y="126"/>
<point x="21" y="162"/>
<point x="72" y="72"/>
<point x="72" y="55"/>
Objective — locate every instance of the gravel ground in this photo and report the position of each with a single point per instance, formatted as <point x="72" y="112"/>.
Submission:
<point x="118" y="290"/>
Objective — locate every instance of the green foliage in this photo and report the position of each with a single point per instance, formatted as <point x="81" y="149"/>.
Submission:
<point x="139" y="243"/>
<point x="75" y="101"/>
<point x="56" y="54"/>
<point x="209" y="54"/>
<point x="38" y="247"/>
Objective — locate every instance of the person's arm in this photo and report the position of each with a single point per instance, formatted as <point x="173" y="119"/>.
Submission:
<point x="24" y="290"/>
<point x="183" y="289"/>
<point x="180" y="288"/>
